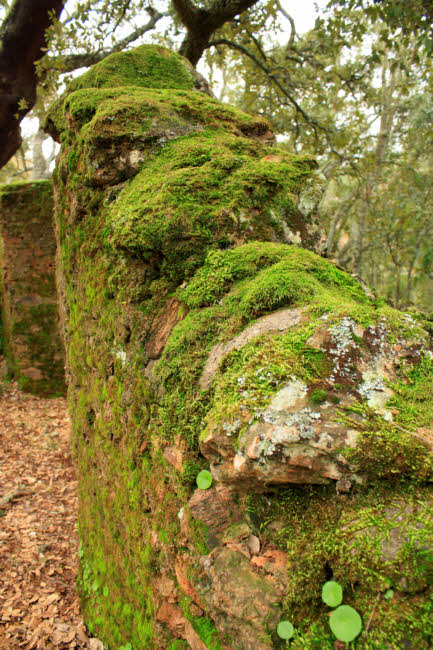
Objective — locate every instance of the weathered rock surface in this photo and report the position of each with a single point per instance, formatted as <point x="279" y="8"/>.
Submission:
<point x="239" y="598"/>
<point x="199" y="336"/>
<point x="279" y="321"/>
<point x="33" y="349"/>
<point x="398" y="535"/>
<point x="297" y="436"/>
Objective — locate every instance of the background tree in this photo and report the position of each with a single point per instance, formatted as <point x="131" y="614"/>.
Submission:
<point x="26" y="24"/>
<point x="353" y="92"/>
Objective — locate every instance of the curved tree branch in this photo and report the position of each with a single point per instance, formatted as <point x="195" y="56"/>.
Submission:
<point x="72" y="62"/>
<point x="270" y="73"/>
<point x="293" y="34"/>
<point x="267" y="71"/>
<point x="22" y="39"/>
<point x="202" y="23"/>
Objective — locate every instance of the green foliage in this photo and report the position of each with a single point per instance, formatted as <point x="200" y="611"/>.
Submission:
<point x="319" y="396"/>
<point x="409" y="17"/>
<point x="345" y="623"/>
<point x="285" y="630"/>
<point x="332" y="593"/>
<point x="204" y="479"/>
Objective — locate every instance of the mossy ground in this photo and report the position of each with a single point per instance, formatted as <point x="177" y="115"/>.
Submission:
<point x="183" y="228"/>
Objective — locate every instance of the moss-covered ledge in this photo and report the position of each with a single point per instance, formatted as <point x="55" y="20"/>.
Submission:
<point x="31" y="338"/>
<point x="204" y="331"/>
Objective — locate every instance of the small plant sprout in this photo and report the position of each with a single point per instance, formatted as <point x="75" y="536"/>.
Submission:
<point x="345" y="623"/>
<point x="204" y="479"/>
<point x="285" y="630"/>
<point x="389" y="594"/>
<point x="332" y="593"/>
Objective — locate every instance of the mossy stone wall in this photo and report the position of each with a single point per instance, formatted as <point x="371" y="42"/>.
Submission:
<point x="31" y="338"/>
<point x="204" y="331"/>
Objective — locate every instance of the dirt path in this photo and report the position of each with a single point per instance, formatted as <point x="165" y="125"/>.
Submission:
<point x="38" y="537"/>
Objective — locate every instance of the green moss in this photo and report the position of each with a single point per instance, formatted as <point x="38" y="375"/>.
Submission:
<point x="229" y="291"/>
<point x="27" y="250"/>
<point x="223" y="268"/>
<point x="319" y="396"/>
<point x="349" y="541"/>
<point x="203" y="191"/>
<point x="148" y="66"/>
<point x="201" y="222"/>
<point x="250" y="377"/>
<point x="395" y="450"/>
<point x="386" y="451"/>
<point x="412" y="403"/>
<point x="143" y="114"/>
<point x="21" y="187"/>
<point x="204" y="626"/>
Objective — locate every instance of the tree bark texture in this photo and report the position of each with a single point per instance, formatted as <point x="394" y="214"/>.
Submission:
<point x="22" y="39"/>
<point x="202" y="23"/>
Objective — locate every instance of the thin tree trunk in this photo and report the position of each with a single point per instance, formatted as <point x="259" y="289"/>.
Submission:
<point x="41" y="167"/>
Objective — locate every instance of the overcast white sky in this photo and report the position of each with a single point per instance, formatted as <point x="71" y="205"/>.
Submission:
<point x="303" y="12"/>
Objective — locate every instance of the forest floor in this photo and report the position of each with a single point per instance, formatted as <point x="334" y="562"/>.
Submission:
<point x="38" y="532"/>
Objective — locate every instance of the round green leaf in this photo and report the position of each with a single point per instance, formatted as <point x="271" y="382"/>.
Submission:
<point x="204" y="479"/>
<point x="332" y="593"/>
<point x="345" y="623"/>
<point x="389" y="594"/>
<point x="285" y="630"/>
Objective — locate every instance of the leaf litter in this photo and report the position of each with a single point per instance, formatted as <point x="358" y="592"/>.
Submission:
<point x="39" y="606"/>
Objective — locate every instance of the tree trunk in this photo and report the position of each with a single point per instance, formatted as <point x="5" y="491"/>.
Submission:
<point x="41" y="165"/>
<point x="22" y="39"/>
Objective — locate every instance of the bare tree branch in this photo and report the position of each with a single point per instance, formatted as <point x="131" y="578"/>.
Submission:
<point x="268" y="72"/>
<point x="292" y="26"/>
<point x="74" y="61"/>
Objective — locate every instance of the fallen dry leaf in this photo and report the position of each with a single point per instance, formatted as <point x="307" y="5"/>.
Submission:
<point x="38" y="536"/>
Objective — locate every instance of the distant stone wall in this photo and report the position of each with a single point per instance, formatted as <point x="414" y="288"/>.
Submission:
<point x="31" y="340"/>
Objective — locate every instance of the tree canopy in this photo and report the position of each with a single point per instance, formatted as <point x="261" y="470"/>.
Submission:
<point x="355" y="91"/>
